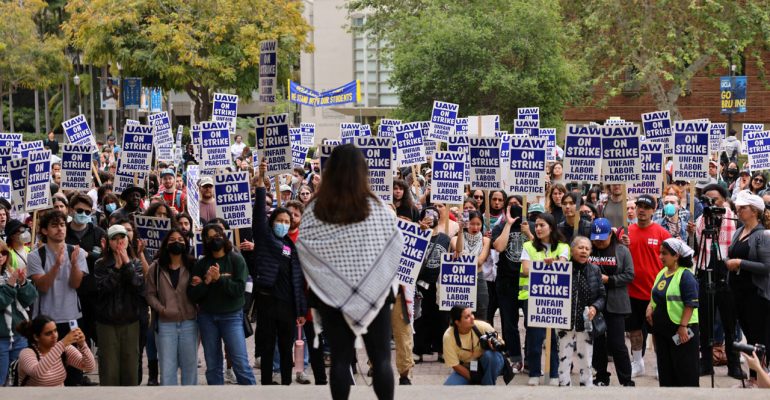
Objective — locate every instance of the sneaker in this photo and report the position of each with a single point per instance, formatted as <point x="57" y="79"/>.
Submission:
<point x="301" y="378"/>
<point x="230" y="376"/>
<point x="276" y="378"/>
<point x="404" y="380"/>
<point x="553" y="382"/>
<point x="637" y="369"/>
<point x="257" y="363"/>
<point x="601" y="382"/>
<point x="533" y="381"/>
<point x="517" y="367"/>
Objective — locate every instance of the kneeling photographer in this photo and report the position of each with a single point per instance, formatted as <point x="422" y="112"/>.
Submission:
<point x="755" y="359"/>
<point x="473" y="350"/>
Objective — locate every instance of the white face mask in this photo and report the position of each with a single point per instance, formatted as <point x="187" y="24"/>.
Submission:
<point x="294" y="180"/>
<point x="26" y="237"/>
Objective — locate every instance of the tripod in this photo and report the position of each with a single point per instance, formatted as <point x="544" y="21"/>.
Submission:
<point x="706" y="270"/>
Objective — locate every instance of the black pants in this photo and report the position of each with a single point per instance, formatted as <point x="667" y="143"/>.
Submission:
<point x="74" y="375"/>
<point x="724" y="302"/>
<point x="612" y="342"/>
<point x="508" y="299"/>
<point x="316" y="355"/>
<point x="678" y="366"/>
<point x="341" y="343"/>
<point x="275" y="320"/>
<point x="752" y="313"/>
<point x="429" y="328"/>
<point x="493" y="303"/>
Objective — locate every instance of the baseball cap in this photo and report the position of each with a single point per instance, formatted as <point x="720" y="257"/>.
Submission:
<point x="206" y="180"/>
<point x="746" y="198"/>
<point x="167" y="171"/>
<point x="535" y="208"/>
<point x="116" y="230"/>
<point x="600" y="229"/>
<point x="646" y="200"/>
<point x="285" y="188"/>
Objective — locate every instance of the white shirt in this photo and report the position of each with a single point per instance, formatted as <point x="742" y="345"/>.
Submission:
<point x="237" y="149"/>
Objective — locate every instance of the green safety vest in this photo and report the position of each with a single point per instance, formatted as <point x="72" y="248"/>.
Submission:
<point x="537" y="256"/>
<point x="674" y="303"/>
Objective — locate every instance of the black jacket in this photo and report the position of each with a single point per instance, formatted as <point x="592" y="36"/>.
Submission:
<point x="120" y="292"/>
<point x="91" y="242"/>
<point x="269" y="253"/>
<point x="597" y="293"/>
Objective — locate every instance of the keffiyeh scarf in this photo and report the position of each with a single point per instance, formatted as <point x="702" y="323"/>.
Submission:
<point x="351" y="267"/>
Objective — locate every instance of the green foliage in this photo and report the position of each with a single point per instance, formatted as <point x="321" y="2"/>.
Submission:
<point x="196" y="46"/>
<point x="665" y="43"/>
<point x="489" y="56"/>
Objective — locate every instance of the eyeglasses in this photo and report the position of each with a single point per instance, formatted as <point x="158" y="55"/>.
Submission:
<point x="82" y="211"/>
<point x="305" y="194"/>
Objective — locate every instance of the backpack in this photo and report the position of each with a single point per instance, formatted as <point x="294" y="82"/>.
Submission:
<point x="42" y="253"/>
<point x="13" y="370"/>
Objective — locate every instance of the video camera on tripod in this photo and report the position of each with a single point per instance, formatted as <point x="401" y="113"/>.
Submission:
<point x="712" y="215"/>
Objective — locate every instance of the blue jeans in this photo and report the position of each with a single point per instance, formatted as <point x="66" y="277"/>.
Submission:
<point x="491" y="363"/>
<point x="535" y="339"/>
<point x="227" y="327"/>
<point x="10" y="352"/>
<point x="178" y="349"/>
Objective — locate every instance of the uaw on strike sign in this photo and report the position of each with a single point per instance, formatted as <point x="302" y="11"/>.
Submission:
<point x="550" y="290"/>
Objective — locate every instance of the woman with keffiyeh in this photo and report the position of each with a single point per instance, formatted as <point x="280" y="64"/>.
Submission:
<point x="352" y="285"/>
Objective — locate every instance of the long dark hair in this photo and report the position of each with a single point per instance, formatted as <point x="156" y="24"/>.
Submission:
<point x="30" y="329"/>
<point x="344" y="194"/>
<point x="164" y="256"/>
<point x="207" y="242"/>
<point x="554" y="238"/>
<point x="548" y="201"/>
<point x="406" y="199"/>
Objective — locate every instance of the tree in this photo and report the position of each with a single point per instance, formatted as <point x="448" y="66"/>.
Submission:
<point x="489" y="56"/>
<point x="663" y="44"/>
<point x="27" y="58"/>
<point x="196" y="46"/>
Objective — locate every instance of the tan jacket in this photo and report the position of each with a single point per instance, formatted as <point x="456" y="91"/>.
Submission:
<point x="173" y="305"/>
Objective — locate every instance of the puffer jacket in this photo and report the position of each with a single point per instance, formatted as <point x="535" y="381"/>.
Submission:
<point x="120" y="292"/>
<point x="597" y="293"/>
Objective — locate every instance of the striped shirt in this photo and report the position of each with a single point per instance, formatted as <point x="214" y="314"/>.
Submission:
<point x="49" y="370"/>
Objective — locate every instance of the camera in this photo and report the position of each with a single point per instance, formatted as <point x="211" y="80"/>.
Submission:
<point x="750" y="348"/>
<point x="490" y="341"/>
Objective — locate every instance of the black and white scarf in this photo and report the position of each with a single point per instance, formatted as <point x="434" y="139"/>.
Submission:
<point x="351" y="267"/>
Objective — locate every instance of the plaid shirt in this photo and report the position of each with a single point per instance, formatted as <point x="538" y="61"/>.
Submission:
<point x="725" y="236"/>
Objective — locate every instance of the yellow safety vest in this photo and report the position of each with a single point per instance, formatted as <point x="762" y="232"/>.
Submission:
<point x="674" y="303"/>
<point x="537" y="256"/>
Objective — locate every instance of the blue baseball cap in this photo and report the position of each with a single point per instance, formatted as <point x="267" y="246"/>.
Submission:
<point x="600" y="229"/>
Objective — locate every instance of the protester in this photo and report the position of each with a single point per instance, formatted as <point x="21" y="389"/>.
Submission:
<point x="280" y="292"/>
<point x="567" y="226"/>
<point x="51" y="143"/>
<point x="57" y="269"/>
<point x="43" y="362"/>
<point x="305" y="194"/>
<point x="207" y="203"/>
<point x="17" y="293"/>
<point x="617" y="269"/>
<point x="731" y="146"/>
<point x="237" y="148"/>
<point x="672" y="219"/>
<point x="758" y="184"/>
<point x="169" y="193"/>
<point x="177" y="330"/>
<point x="673" y="316"/>
<point x="429" y="321"/>
<point x="132" y="202"/>
<point x="444" y="221"/>
<point x="588" y="293"/>
<point x="496" y="208"/>
<point x="548" y="246"/>
<point x="508" y="239"/>
<point x="748" y="260"/>
<point x="643" y="240"/>
<point x="332" y="230"/>
<point x="4" y="218"/>
<point x="217" y="286"/>
<point x="463" y="352"/>
<point x="473" y="243"/>
<point x="402" y="200"/>
<point x="556" y="172"/>
<point x="631" y="212"/>
<point x="553" y="201"/>
<point x="723" y="297"/>
<point x="17" y="234"/>
<point x="613" y="209"/>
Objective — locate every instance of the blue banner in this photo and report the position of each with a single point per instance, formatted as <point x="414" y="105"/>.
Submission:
<point x="77" y="131"/>
<point x="347" y="93"/>
<point x="38" y="196"/>
<point x="550" y="289"/>
<point x="156" y="100"/>
<point x="527" y="166"/>
<point x="457" y="282"/>
<point x="233" y="198"/>
<point x="416" y="243"/>
<point x="274" y="143"/>
<point x="448" y="183"/>
<point x="733" y="93"/>
<point x="411" y="149"/>
<point x="582" y="154"/>
<point x="132" y="93"/>
<point x="620" y="155"/>
<point x="485" y="163"/>
<point x="691" y="150"/>
<point x="137" y="148"/>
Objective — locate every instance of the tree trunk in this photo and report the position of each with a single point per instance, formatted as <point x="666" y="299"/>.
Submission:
<point x="46" y="111"/>
<point x="94" y="85"/>
<point x="2" y="108"/>
<point x="10" y="109"/>
<point x="37" y="112"/>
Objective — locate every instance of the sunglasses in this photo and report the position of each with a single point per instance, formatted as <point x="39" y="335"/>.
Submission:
<point x="5" y="253"/>
<point x="760" y="180"/>
<point x="478" y="197"/>
<point x="82" y="211"/>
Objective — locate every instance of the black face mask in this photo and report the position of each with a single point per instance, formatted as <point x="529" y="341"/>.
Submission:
<point x="176" y="248"/>
<point x="217" y="244"/>
<point x="732" y="172"/>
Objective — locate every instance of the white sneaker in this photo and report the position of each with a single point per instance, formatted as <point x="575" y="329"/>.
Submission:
<point x="637" y="368"/>
<point x="553" y="382"/>
<point x="301" y="378"/>
<point x="257" y="364"/>
<point x="230" y="376"/>
<point x="533" y="381"/>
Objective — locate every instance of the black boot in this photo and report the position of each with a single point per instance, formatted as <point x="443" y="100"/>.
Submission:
<point x="735" y="371"/>
<point x="152" y="379"/>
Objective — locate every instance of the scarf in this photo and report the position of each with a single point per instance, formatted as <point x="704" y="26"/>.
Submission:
<point x="351" y="267"/>
<point x="473" y="244"/>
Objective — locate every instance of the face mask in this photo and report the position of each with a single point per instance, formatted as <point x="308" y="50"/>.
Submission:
<point x="26" y="237"/>
<point x="217" y="244"/>
<point x="732" y="171"/>
<point x="81" y="219"/>
<point x="280" y="230"/>
<point x="110" y="207"/>
<point x="669" y="210"/>
<point x="176" y="248"/>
